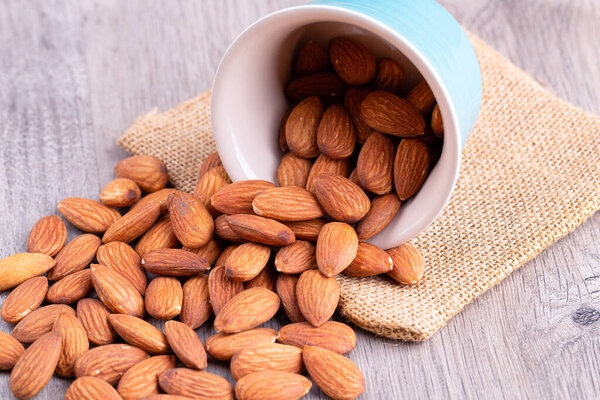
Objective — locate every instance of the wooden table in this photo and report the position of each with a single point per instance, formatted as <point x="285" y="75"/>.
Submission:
<point x="74" y="74"/>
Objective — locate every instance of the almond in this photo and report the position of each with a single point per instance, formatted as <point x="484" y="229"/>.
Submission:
<point x="422" y="98"/>
<point x="336" y="134"/>
<point x="290" y="203"/>
<point x="24" y="299"/>
<point x="236" y="198"/>
<point x="327" y="86"/>
<point x="10" y="351"/>
<point x="375" y="164"/>
<point x="116" y="292"/>
<point x="74" y="342"/>
<point x="437" y="125"/>
<point x="301" y="127"/>
<point x="306" y="230"/>
<point x="90" y="388"/>
<point x="410" y="167"/>
<point x="148" y="172"/>
<point x="334" y="374"/>
<point x="332" y="335"/>
<point x="160" y="197"/>
<point x="261" y="230"/>
<point x="18" y="268"/>
<point x="210" y="251"/>
<point x="142" y="379"/>
<point x="47" y="236"/>
<point x="108" y="362"/>
<point x="388" y="113"/>
<point x="39" y="322"/>
<point x="224" y="256"/>
<point x="265" y="279"/>
<point x="341" y="199"/>
<point x="246" y="261"/>
<point x="197" y="384"/>
<point x="164" y="298"/>
<point x="186" y="344"/>
<point x="336" y="248"/>
<point x="282" y="143"/>
<point x="160" y="236"/>
<point x="325" y="164"/>
<point x="139" y="333"/>
<point x="210" y="183"/>
<point x="390" y="76"/>
<point x="223" y="230"/>
<point x="94" y="318"/>
<point x="121" y="258"/>
<point x="370" y="260"/>
<point x="165" y="397"/>
<point x="293" y="170"/>
<point x="354" y="177"/>
<point x="272" y="385"/>
<point x="382" y="212"/>
<point x="71" y="288"/>
<point x="221" y="289"/>
<point x="174" y="262"/>
<point x="191" y="221"/>
<point x="195" y="308"/>
<point x="311" y="59"/>
<point x="296" y="258"/>
<point x="30" y="374"/>
<point x="133" y="224"/>
<point x="318" y="296"/>
<point x="352" y="61"/>
<point x="223" y="346"/>
<point x="88" y="215"/>
<point x="409" y="264"/>
<point x="272" y="357"/>
<point x="352" y="100"/>
<point x="211" y="161"/>
<point x="121" y="192"/>
<point x="286" y="290"/>
<point x="75" y="256"/>
<point x="247" y="310"/>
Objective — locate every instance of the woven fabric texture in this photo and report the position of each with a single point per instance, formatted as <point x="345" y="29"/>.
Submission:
<point x="530" y="175"/>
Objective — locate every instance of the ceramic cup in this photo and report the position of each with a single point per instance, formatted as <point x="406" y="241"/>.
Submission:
<point x="248" y="100"/>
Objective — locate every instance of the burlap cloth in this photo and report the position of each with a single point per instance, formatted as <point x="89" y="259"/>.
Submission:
<point x="530" y="175"/>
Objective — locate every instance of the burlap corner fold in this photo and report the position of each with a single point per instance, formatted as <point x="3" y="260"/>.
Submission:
<point x="530" y="175"/>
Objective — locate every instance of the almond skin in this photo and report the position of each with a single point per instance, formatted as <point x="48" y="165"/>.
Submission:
<point x="311" y="59"/>
<point x="121" y="258"/>
<point x="354" y="177"/>
<point x="325" y="164"/>
<point x="139" y="333"/>
<point x="422" y="98"/>
<point x="261" y="230"/>
<point x="332" y="335"/>
<point x="290" y="203"/>
<point x="272" y="357"/>
<point x="186" y="344"/>
<point x="282" y="143"/>
<point x="88" y="215"/>
<point x="221" y="289"/>
<point x="94" y="318"/>
<point x="375" y="164"/>
<point x="10" y="351"/>
<point x="29" y="375"/>
<point x="174" y="262"/>
<point x="410" y="167"/>
<point x="247" y="310"/>
<point x="133" y="224"/>
<point x="71" y="288"/>
<point x="370" y="260"/>
<point x="74" y="342"/>
<point x="336" y="135"/>
<point x="166" y="397"/>
<point x="236" y="198"/>
<point x="318" y="296"/>
<point x="210" y="251"/>
<point x="265" y="279"/>
<point x="352" y="61"/>
<point x="337" y="376"/>
<point x="246" y="261"/>
<point x="327" y="86"/>
<point x="121" y="192"/>
<point x="195" y="308"/>
<point x="437" y="125"/>
<point x="336" y="248"/>
<point x="47" y="236"/>
<point x="352" y="100"/>
<point x="160" y="197"/>
<point x="293" y="170"/>
<point x="301" y="127"/>
<point x="296" y="258"/>
<point x="382" y="212"/>
<point x="223" y="346"/>
<point x="39" y="322"/>
<point x="224" y="256"/>
<point x="197" y="384"/>
<point x="286" y="290"/>
<point x="210" y="183"/>
<point x="148" y="172"/>
<point x="192" y="223"/>
<point x="272" y="385"/>
<point x="160" y="236"/>
<point x="306" y="230"/>
<point x="211" y="161"/>
<point x="224" y="231"/>
<point x="341" y="198"/>
<point x="116" y="292"/>
<point x="388" y="113"/>
<point x="75" y="256"/>
<point x="91" y="388"/>
<point x="390" y="76"/>
<point x="20" y="267"/>
<point x="142" y="379"/>
<point x="108" y="362"/>
<point x="409" y="264"/>
<point x="24" y="299"/>
<point x="164" y="298"/>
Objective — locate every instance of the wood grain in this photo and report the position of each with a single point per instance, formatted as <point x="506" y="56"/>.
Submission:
<point x="74" y="74"/>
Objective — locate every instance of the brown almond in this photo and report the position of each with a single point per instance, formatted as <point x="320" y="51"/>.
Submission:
<point x="317" y="296"/>
<point x="197" y="384"/>
<point x="388" y="113"/>
<point x="422" y="97"/>
<point x="121" y="258"/>
<point x="327" y="86"/>
<point x="186" y="344"/>
<point x="282" y="143"/>
<point x="296" y="258"/>
<point x="247" y="310"/>
<point x="290" y="203"/>
<point x="337" y="376"/>
<point x="293" y="170"/>
<point x="437" y="125"/>
<point x="221" y="289"/>
<point x="164" y="298"/>
<point x="160" y="197"/>
<point x="210" y="183"/>
<point x="370" y="260"/>
<point x="94" y="318"/>
<point x="108" y="362"/>
<point x="192" y="223"/>
<point x="286" y="290"/>
<point x="211" y="161"/>
<point x="306" y="230"/>
<point x="20" y="267"/>
<point x="71" y="288"/>
<point x="224" y="231"/>
<point x="352" y="100"/>
<point x="195" y="307"/>
<point x="39" y="322"/>
<point x="311" y="59"/>
<point x="246" y="261"/>
<point x="142" y="379"/>
<point x="332" y="335"/>
<point x="10" y="351"/>
<point x="166" y="397"/>
<point x="410" y="167"/>
<point x="236" y="198"/>
<point x="261" y="230"/>
<point x="341" y="199"/>
<point x="223" y="346"/>
<point x="354" y="177"/>
<point x="133" y="224"/>
<point x="382" y="212"/>
<point x="224" y="256"/>
<point x="336" y="134"/>
<point x="375" y="164"/>
<point x="272" y="385"/>
<point x="75" y="256"/>
<point x="24" y="299"/>
<point x="210" y="251"/>
<point x="30" y="374"/>
<point x="269" y="357"/>
<point x="160" y="236"/>
<point x="174" y="262"/>
<point x="324" y="164"/>
<point x="116" y="292"/>
<point x="265" y="279"/>
<point x="390" y="76"/>
<point x="91" y="388"/>
<point x="148" y="172"/>
<point x="336" y="248"/>
<point x="47" y="236"/>
<point x="74" y="342"/>
<point x="88" y="215"/>
<point x="352" y="61"/>
<point x="121" y="192"/>
<point x="139" y="333"/>
<point x="409" y="264"/>
<point x="301" y="127"/>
